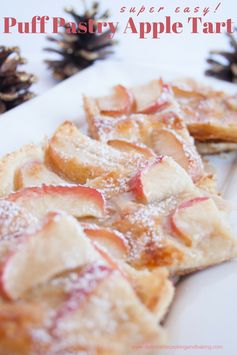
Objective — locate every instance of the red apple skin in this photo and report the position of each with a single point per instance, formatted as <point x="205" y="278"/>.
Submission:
<point x="113" y="264"/>
<point x="129" y="98"/>
<point x="185" y="238"/>
<point x="124" y="94"/>
<point x="193" y="201"/>
<point x="102" y="251"/>
<point x="168" y="142"/>
<point x="158" y="104"/>
<point x="60" y="190"/>
<point x="137" y="189"/>
<point x="3" y="290"/>
<point x="154" y="107"/>
<point x="135" y="184"/>
<point x="95" y="234"/>
<point x="106" y="257"/>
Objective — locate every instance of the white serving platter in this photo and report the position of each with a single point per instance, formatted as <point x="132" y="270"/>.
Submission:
<point x="204" y="310"/>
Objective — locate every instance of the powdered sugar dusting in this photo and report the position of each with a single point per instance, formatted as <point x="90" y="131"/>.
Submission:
<point x="13" y="220"/>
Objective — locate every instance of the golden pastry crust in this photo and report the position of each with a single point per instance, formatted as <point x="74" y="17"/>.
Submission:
<point x="133" y="127"/>
<point x="209" y="114"/>
<point x="154" y="242"/>
<point x="207" y="148"/>
<point x="113" y="170"/>
<point x="153" y="288"/>
<point x="18" y="322"/>
<point x="41" y="327"/>
<point x="208" y="183"/>
<point x="69" y="286"/>
<point x="72" y="310"/>
<point x="213" y="131"/>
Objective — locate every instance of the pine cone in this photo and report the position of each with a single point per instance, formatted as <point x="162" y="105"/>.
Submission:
<point x="79" y="51"/>
<point x="227" y="68"/>
<point x="14" y="84"/>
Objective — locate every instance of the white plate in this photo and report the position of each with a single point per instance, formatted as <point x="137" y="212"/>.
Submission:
<point x="205" y="307"/>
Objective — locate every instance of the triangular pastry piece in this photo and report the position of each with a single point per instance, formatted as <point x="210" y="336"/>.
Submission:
<point x="152" y="286"/>
<point x="163" y="132"/>
<point x="177" y="225"/>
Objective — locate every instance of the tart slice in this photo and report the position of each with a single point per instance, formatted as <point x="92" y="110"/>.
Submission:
<point x="63" y="296"/>
<point x="101" y="299"/>
<point x="162" y="130"/>
<point x="150" y="98"/>
<point x="170" y="222"/>
<point x="209" y="114"/>
<point x="182" y="234"/>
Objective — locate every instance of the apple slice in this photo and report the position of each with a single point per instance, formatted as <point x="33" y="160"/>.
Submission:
<point x="197" y="218"/>
<point x="169" y="142"/>
<point x="11" y="162"/>
<point x="159" y="180"/>
<point x="120" y="103"/>
<point x="14" y="221"/>
<point x="79" y="158"/>
<point x="126" y="146"/>
<point x="35" y="173"/>
<point x="151" y="97"/>
<point x="79" y="201"/>
<point x="111" y="240"/>
<point x="58" y="246"/>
